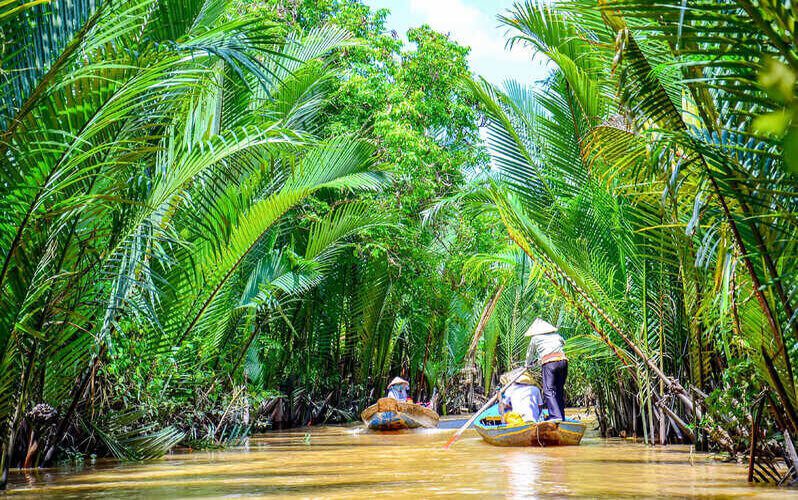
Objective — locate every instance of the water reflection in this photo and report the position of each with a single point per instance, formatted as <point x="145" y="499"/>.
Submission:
<point x="522" y="473"/>
<point x="344" y="462"/>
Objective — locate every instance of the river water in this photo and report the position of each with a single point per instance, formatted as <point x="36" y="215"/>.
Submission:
<point x="347" y="462"/>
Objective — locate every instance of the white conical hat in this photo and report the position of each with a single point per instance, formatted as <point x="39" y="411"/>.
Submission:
<point x="399" y="380"/>
<point x="540" y="327"/>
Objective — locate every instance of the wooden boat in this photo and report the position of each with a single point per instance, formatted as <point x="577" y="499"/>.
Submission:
<point x="388" y="414"/>
<point x="546" y="433"/>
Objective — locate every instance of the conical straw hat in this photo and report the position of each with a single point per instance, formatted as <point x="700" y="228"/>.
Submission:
<point x="399" y="380"/>
<point x="525" y="379"/>
<point x="505" y="377"/>
<point x="540" y="327"/>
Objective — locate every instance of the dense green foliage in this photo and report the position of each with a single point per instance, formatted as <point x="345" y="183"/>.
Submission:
<point x="221" y="214"/>
<point x="643" y="182"/>
<point x="197" y="218"/>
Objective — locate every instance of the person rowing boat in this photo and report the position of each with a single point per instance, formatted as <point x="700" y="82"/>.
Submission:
<point x="546" y="349"/>
<point x="398" y="389"/>
<point x="396" y="411"/>
<point x="516" y="419"/>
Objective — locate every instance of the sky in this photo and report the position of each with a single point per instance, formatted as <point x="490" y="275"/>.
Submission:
<point x="471" y="23"/>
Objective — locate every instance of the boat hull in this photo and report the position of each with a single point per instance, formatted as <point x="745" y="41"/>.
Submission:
<point x="546" y="433"/>
<point x="562" y="433"/>
<point x="391" y="421"/>
<point x="388" y="414"/>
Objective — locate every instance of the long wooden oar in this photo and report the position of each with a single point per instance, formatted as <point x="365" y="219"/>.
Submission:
<point x="471" y="420"/>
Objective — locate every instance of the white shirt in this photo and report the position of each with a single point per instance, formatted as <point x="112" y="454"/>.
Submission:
<point x="525" y="400"/>
<point x="543" y="345"/>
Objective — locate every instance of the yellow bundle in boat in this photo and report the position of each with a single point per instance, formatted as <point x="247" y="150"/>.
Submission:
<point x="513" y="418"/>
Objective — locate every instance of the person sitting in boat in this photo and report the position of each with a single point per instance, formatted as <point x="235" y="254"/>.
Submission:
<point x="521" y="400"/>
<point x="546" y="348"/>
<point x="398" y="389"/>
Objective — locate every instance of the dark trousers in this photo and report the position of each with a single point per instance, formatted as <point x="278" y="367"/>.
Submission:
<point x="554" y="375"/>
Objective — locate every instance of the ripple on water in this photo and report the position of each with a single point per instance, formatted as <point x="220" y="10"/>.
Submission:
<point x="344" y="462"/>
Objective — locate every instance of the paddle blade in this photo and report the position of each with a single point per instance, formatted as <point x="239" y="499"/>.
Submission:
<point x="452" y="440"/>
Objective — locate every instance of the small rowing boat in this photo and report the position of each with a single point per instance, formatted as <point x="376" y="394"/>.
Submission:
<point x="388" y="414"/>
<point x="545" y="433"/>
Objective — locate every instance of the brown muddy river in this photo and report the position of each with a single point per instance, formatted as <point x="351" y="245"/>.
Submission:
<point x="346" y="462"/>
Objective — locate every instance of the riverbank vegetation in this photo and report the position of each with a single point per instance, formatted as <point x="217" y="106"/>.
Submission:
<point x="220" y="216"/>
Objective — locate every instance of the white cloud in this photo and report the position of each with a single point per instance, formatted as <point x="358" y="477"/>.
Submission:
<point x="474" y="28"/>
